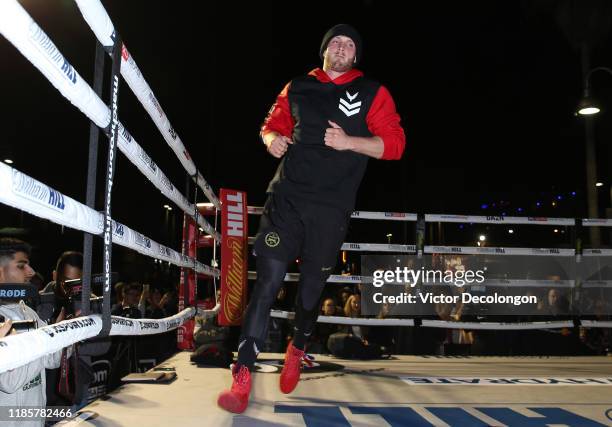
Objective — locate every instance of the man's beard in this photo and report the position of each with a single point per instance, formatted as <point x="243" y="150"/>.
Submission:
<point x="340" y="66"/>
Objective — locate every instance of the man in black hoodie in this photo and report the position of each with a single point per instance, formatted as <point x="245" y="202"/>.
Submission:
<point x="324" y="125"/>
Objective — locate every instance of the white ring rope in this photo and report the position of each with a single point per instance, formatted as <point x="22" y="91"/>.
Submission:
<point x="334" y="278"/>
<point x="23" y="192"/>
<point x="597" y="284"/>
<point x="20" y="349"/>
<point x="498" y="283"/>
<point x="485" y="250"/>
<point x="385" y="216"/>
<point x="596" y="222"/>
<point x="596" y="323"/>
<point x="491" y="326"/>
<point x="21" y="30"/>
<point x="597" y="252"/>
<point x="340" y="320"/>
<point x="499" y="219"/>
<point x="369" y="247"/>
<point x="100" y="23"/>
<point x="502" y="326"/>
<point x="378" y="247"/>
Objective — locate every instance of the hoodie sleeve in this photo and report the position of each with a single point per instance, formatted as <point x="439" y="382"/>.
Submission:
<point x="13" y="380"/>
<point x="279" y="117"/>
<point x="384" y="122"/>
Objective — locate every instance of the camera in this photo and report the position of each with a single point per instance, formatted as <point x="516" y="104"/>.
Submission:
<point x="71" y="295"/>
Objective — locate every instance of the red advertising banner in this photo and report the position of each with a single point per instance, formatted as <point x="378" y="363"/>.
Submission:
<point x="234" y="247"/>
<point x="185" y="332"/>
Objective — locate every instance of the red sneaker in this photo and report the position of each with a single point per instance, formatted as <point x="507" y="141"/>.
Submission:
<point x="292" y="368"/>
<point x="237" y="399"/>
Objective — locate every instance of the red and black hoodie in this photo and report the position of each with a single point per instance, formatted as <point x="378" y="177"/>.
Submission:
<point x="310" y="169"/>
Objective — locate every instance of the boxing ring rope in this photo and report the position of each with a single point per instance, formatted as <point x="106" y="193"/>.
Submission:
<point x="18" y="350"/>
<point x="477" y="219"/>
<point x="23" y="192"/>
<point x="460" y="250"/>
<point x="100" y="23"/>
<point x="27" y="194"/>
<point x="21" y="30"/>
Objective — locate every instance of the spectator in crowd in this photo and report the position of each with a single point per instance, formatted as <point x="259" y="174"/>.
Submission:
<point x="169" y="302"/>
<point x="131" y="304"/>
<point x="351" y="342"/>
<point x="119" y="292"/>
<point x="555" y="304"/>
<point x="154" y="309"/>
<point x="25" y="385"/>
<point x="343" y="297"/>
<point x="323" y="331"/>
<point x="69" y="266"/>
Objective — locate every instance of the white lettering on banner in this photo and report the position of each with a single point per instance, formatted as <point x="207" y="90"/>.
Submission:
<point x="12" y="293"/>
<point x="235" y="227"/>
<point x="109" y="187"/>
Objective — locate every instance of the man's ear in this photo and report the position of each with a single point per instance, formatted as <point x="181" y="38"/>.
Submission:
<point x="54" y="275"/>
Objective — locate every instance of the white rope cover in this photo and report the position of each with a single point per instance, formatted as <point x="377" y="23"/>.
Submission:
<point x="334" y="278"/>
<point x="597" y="222"/>
<point x="18" y="350"/>
<point x="23" y="192"/>
<point x="502" y="326"/>
<point x="100" y="23"/>
<point x="596" y="323"/>
<point x="340" y="320"/>
<point x="384" y="216"/>
<point x="478" y="250"/>
<point x="19" y="28"/>
<point x="499" y="219"/>
<point x="597" y="252"/>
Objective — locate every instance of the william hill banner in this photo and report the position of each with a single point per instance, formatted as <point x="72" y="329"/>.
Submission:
<point x="234" y="247"/>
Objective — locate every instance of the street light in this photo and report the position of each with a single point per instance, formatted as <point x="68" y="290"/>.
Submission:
<point x="587" y="108"/>
<point x="587" y="105"/>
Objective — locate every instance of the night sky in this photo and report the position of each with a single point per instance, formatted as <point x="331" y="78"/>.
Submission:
<point x="486" y="91"/>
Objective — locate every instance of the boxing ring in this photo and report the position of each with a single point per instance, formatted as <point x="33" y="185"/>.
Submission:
<point x="400" y="391"/>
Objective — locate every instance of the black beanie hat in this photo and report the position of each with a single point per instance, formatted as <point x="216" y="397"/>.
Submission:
<point x="342" y="30"/>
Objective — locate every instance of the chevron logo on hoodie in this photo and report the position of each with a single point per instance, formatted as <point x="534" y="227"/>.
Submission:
<point x="349" y="107"/>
